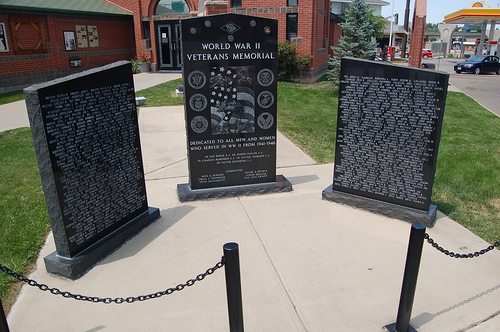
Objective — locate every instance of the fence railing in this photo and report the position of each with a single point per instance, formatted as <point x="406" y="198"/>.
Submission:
<point x="410" y="276"/>
<point x="230" y="261"/>
<point x="4" y="327"/>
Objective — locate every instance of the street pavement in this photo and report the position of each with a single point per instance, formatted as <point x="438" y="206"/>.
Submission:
<point x="483" y="88"/>
<point x="306" y="264"/>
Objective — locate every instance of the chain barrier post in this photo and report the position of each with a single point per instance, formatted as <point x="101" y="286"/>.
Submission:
<point x="233" y="287"/>
<point x="410" y="277"/>
<point x="4" y="327"/>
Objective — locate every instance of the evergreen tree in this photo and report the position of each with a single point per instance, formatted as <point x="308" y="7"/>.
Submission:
<point x="356" y="41"/>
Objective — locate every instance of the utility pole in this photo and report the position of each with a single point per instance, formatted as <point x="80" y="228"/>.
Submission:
<point x="406" y="27"/>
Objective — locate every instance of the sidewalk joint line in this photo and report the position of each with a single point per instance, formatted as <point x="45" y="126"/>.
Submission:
<point x="292" y="309"/>
<point x="476" y="324"/>
<point x="171" y="164"/>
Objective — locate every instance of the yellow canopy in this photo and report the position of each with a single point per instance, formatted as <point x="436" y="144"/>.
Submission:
<point x="473" y="16"/>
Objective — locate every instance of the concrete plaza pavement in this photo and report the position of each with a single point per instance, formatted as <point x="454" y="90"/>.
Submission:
<point x="307" y="264"/>
<point x="14" y="115"/>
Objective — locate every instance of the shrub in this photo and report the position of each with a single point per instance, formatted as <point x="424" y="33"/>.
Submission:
<point x="135" y="67"/>
<point x="289" y="62"/>
<point x="139" y="59"/>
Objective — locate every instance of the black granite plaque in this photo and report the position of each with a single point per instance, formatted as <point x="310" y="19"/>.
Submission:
<point x="388" y="132"/>
<point x="86" y="137"/>
<point x="230" y="77"/>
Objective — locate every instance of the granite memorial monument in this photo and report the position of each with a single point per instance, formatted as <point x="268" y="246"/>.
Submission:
<point x="86" y="138"/>
<point x="388" y="132"/>
<point x="230" y="66"/>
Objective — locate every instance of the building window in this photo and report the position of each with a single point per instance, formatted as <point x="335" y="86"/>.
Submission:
<point x="146" y="35"/>
<point x="235" y="3"/>
<point x="292" y="2"/>
<point x="291" y="26"/>
<point x="146" y="30"/>
<point x="171" y="7"/>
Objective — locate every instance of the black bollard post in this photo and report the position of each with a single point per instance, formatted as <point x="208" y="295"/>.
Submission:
<point x="233" y="287"/>
<point x="410" y="277"/>
<point x="4" y="327"/>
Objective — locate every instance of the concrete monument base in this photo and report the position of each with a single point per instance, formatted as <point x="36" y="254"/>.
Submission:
<point x="428" y="218"/>
<point x="76" y="266"/>
<point x="186" y="194"/>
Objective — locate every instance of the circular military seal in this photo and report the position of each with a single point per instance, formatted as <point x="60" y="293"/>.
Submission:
<point x="265" y="99"/>
<point x="265" y="77"/>
<point x="198" y="102"/>
<point x="265" y="120"/>
<point x="199" y="124"/>
<point x="197" y="79"/>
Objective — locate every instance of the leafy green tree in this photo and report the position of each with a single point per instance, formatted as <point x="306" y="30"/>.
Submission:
<point x="431" y="27"/>
<point x="379" y="23"/>
<point x="358" y="29"/>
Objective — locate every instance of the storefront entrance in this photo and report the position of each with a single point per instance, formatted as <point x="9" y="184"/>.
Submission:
<point x="169" y="50"/>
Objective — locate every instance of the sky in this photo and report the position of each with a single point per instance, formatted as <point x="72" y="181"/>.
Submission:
<point x="436" y="9"/>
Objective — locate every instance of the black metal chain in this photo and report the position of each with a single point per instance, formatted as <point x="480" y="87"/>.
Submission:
<point x="117" y="300"/>
<point x="455" y="255"/>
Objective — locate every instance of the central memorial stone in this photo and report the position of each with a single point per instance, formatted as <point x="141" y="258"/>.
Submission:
<point x="230" y="66"/>
<point x="388" y="132"/>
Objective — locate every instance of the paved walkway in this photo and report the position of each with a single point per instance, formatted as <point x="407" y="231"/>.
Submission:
<point x="14" y="115"/>
<point x="307" y="264"/>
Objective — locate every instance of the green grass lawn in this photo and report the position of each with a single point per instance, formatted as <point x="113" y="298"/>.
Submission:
<point x="10" y="97"/>
<point x="159" y="95"/>
<point x="24" y="221"/>
<point x="467" y="182"/>
<point x="466" y="188"/>
<point x="307" y="115"/>
<point x="162" y="94"/>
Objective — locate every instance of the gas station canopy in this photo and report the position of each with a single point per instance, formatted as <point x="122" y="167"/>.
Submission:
<point x="480" y="16"/>
<point x="473" y="16"/>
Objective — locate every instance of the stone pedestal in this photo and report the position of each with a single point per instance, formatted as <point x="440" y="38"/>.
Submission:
<point x="78" y="265"/>
<point x="186" y="194"/>
<point x="428" y="218"/>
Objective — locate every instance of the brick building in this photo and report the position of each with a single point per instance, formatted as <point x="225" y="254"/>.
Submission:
<point x="156" y="25"/>
<point x="38" y="33"/>
<point x="43" y="40"/>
